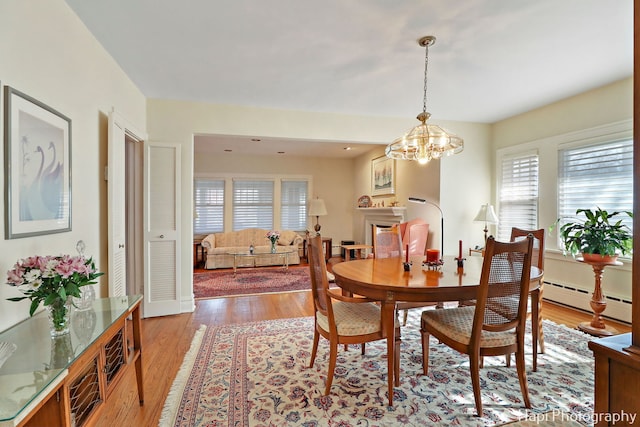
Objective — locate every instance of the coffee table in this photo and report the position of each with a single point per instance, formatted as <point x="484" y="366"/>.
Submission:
<point x="281" y="251"/>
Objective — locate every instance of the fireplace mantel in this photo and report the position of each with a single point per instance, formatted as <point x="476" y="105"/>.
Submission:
<point x="381" y="216"/>
<point x="398" y="211"/>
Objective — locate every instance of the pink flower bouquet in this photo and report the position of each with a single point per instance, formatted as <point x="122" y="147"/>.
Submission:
<point x="51" y="279"/>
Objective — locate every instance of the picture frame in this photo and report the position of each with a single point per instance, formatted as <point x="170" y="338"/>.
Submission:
<point x="37" y="154"/>
<point x="383" y="176"/>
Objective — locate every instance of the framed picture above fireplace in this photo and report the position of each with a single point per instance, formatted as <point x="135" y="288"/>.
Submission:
<point x="383" y="176"/>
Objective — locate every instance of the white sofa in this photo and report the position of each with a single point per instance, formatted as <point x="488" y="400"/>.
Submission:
<point x="218" y="246"/>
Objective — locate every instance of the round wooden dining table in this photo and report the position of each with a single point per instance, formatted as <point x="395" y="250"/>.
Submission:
<point x="386" y="280"/>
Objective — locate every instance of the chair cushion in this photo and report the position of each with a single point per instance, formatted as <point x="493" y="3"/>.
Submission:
<point x="353" y="318"/>
<point x="457" y="323"/>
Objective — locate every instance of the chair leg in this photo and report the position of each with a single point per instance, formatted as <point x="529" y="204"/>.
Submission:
<point x="535" y="336"/>
<point x="474" y="367"/>
<point x="333" y="356"/>
<point x="314" y="351"/>
<point x="522" y="377"/>
<point x="540" y="331"/>
<point x="405" y="316"/>
<point x="396" y="362"/>
<point x="507" y="360"/>
<point x="536" y="327"/>
<point x="425" y="352"/>
<point x="362" y="348"/>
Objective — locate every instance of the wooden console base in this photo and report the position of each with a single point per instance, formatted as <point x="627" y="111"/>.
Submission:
<point x="617" y="382"/>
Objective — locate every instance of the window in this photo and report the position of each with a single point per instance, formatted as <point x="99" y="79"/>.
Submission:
<point x="599" y="175"/>
<point x="252" y="204"/>
<point x="518" y="194"/>
<point x="209" y="206"/>
<point x="293" y="205"/>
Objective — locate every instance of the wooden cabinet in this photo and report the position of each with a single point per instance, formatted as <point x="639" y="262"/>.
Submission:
<point x="82" y="368"/>
<point x="617" y="381"/>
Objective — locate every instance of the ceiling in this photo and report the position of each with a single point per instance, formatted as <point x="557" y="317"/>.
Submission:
<point x="492" y="59"/>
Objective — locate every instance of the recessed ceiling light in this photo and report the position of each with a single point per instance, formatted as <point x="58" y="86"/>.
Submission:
<point x="255" y="140"/>
<point x="347" y="148"/>
<point x="227" y="150"/>
<point x="280" y="152"/>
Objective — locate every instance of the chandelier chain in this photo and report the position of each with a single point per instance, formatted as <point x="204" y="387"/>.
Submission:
<point x="426" y="66"/>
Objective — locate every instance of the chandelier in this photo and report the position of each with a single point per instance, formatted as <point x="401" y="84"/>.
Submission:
<point x="425" y="141"/>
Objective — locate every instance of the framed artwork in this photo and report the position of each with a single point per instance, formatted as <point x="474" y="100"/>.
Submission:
<point x="37" y="167"/>
<point x="383" y="176"/>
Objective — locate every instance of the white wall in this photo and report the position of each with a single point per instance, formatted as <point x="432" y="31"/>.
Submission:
<point x="47" y="53"/>
<point x="539" y="128"/>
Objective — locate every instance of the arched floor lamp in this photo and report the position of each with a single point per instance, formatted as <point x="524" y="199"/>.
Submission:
<point x="427" y="202"/>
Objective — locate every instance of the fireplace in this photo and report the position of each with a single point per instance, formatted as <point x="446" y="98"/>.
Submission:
<point x="382" y="217"/>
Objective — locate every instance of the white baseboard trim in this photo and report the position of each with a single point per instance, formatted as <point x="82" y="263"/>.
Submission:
<point x="617" y="308"/>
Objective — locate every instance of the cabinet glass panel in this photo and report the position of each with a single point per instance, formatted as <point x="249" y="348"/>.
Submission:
<point x="84" y="394"/>
<point x="114" y="356"/>
<point x="38" y="360"/>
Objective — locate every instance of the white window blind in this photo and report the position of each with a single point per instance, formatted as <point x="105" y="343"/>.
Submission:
<point x="209" y="206"/>
<point x="598" y="175"/>
<point x="293" y="205"/>
<point x="518" y="194"/>
<point x="252" y="204"/>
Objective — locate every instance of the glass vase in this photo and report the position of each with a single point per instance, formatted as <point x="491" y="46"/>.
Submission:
<point x="273" y="247"/>
<point x="87" y="297"/>
<point x="59" y="315"/>
<point x="61" y="352"/>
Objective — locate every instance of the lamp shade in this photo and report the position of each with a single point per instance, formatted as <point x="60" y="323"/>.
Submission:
<point x="317" y="207"/>
<point x="487" y="215"/>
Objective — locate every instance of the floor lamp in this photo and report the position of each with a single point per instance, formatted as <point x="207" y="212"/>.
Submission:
<point x="427" y="202"/>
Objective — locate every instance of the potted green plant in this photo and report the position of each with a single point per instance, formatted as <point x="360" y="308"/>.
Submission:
<point x="598" y="234"/>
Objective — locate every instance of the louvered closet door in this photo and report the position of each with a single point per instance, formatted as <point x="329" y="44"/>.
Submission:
<point x="116" y="194"/>
<point x="162" y="188"/>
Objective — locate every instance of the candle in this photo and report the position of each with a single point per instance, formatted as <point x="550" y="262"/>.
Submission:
<point x="433" y="255"/>
<point x="406" y="254"/>
<point x="460" y="249"/>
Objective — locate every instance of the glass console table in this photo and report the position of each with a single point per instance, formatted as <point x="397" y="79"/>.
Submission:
<point x="282" y="252"/>
<point x="64" y="381"/>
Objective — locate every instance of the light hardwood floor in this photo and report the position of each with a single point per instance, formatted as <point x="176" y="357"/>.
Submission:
<point x="167" y="339"/>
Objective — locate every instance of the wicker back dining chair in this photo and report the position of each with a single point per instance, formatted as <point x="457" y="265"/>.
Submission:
<point x="342" y="319"/>
<point x="495" y="325"/>
<point x="387" y="243"/>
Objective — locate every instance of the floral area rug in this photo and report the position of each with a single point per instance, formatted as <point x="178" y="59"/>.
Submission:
<point x="212" y="284"/>
<point x="257" y="374"/>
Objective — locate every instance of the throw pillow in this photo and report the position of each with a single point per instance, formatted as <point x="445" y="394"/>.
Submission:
<point x="286" y="237"/>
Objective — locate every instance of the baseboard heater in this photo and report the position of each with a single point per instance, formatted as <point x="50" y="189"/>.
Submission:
<point x="617" y="308"/>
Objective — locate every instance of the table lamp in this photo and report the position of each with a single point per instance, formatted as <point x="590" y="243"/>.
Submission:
<point x="317" y="209"/>
<point x="487" y="215"/>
